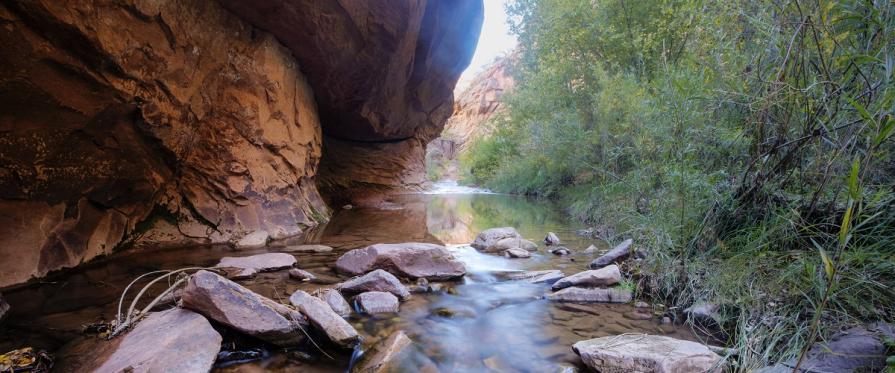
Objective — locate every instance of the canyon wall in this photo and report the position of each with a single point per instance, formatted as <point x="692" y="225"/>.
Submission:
<point x="167" y="123"/>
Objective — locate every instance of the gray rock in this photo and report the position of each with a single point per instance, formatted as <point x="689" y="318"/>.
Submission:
<point x="377" y="280"/>
<point x="336" y="301"/>
<point x="551" y="239"/>
<point x="413" y="260"/>
<point x="386" y="355"/>
<point x="585" y="295"/>
<point x="322" y="316"/>
<point x="619" y="252"/>
<point x="377" y="302"/>
<point x="253" y="240"/>
<point x="591" y="250"/>
<point x="528" y="245"/>
<point x="859" y="349"/>
<point x="306" y="249"/>
<point x="301" y="275"/>
<point x="704" y="314"/>
<point x="174" y="340"/>
<point x="606" y="276"/>
<point x="538" y="277"/>
<point x="250" y="265"/>
<point x="517" y="253"/>
<point x="4" y="308"/>
<point x="233" y="305"/>
<point x="487" y="240"/>
<point x="646" y="353"/>
<point x="560" y="250"/>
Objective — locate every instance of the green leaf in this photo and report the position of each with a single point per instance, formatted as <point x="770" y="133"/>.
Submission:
<point x="853" y="188"/>
<point x="846" y="223"/>
<point x="885" y="131"/>
<point x="860" y="108"/>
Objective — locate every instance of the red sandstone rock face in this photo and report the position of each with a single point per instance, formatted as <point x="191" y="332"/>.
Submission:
<point x="383" y="73"/>
<point x="479" y="102"/>
<point x="170" y="122"/>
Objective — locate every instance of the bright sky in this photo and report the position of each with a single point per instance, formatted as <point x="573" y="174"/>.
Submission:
<point x="495" y="40"/>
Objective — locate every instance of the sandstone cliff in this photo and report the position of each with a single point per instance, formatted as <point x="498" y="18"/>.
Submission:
<point x="145" y="122"/>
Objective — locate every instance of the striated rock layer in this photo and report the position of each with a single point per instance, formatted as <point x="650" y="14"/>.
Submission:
<point x="168" y="122"/>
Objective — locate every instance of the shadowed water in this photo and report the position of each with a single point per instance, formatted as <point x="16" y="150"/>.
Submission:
<point x="482" y="323"/>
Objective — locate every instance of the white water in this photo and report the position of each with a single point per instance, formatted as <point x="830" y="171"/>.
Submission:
<point x="451" y="187"/>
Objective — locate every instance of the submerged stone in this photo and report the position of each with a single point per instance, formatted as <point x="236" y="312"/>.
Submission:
<point x="538" y="277"/>
<point x="385" y="355"/>
<point x="233" y="305"/>
<point x="413" y="260"/>
<point x="301" y="275"/>
<point x="646" y="353"/>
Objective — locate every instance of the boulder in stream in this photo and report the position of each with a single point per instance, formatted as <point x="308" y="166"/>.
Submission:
<point x="560" y="250"/>
<point x="538" y="277"/>
<point x="551" y="239"/>
<point x="324" y="318"/>
<point x="413" y="260"/>
<point x="174" y="340"/>
<point x="488" y="239"/>
<point x="233" y="305"/>
<point x="588" y="295"/>
<point x="517" y="253"/>
<point x="377" y="280"/>
<point x="646" y="353"/>
<point x="606" y="276"/>
<point x="377" y="302"/>
<point x="248" y="266"/>
<point x="619" y="252"/>
<point x="336" y="301"/>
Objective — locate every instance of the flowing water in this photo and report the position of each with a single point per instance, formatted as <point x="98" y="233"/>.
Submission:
<point x="482" y="323"/>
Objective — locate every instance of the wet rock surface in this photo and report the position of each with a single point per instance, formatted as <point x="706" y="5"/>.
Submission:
<point x="336" y="301"/>
<point x="538" y="277"/>
<point x="301" y="275"/>
<point x="584" y="295"/>
<point x="606" y="276"/>
<point x="377" y="280"/>
<point x="623" y="250"/>
<point x="175" y="340"/>
<point x="412" y="260"/>
<point x="517" y="253"/>
<point x="322" y="317"/>
<point x="551" y="239"/>
<point x="373" y="302"/>
<point x="248" y="266"/>
<point x="233" y="305"/>
<point x="646" y="353"/>
<point x="385" y="356"/>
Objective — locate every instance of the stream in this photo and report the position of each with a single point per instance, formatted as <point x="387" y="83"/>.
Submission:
<point x="481" y="323"/>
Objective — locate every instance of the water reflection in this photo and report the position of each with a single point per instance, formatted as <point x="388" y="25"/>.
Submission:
<point x="482" y="322"/>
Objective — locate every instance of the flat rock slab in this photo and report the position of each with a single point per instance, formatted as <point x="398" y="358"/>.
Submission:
<point x="586" y="295"/>
<point x="383" y="356"/>
<point x="538" y="277"/>
<point x="250" y="265"/>
<point x="488" y="239"/>
<point x="377" y="302"/>
<point x="233" y="305"/>
<point x="517" y="253"/>
<point x="336" y="301"/>
<point x="324" y="318"/>
<point x="306" y="249"/>
<point x="606" y="276"/>
<point x="175" y="340"/>
<point x="413" y="260"/>
<point x="619" y="252"/>
<point x="646" y="353"/>
<point x="377" y="280"/>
